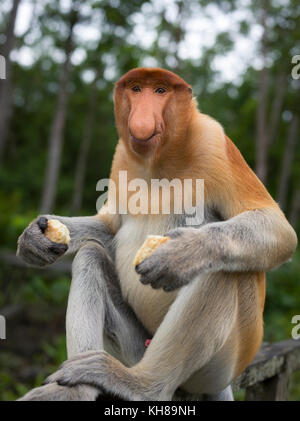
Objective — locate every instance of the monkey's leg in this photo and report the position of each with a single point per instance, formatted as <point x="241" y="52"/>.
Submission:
<point x="54" y="392"/>
<point x="196" y="329"/>
<point x="95" y="307"/>
<point x="225" y="395"/>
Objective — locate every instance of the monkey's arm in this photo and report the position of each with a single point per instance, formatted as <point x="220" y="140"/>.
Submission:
<point x="257" y="240"/>
<point x="254" y="235"/>
<point x="36" y="249"/>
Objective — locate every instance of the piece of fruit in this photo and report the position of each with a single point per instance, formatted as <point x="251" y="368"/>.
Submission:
<point x="151" y="243"/>
<point x="57" y="232"/>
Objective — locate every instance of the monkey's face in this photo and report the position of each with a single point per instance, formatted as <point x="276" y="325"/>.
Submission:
<point x="149" y="108"/>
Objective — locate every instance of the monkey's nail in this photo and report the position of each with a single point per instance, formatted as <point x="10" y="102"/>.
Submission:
<point x="57" y="232"/>
<point x="42" y="223"/>
<point x="148" y="247"/>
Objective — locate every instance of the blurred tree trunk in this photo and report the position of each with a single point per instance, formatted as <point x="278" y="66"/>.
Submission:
<point x="6" y="85"/>
<point x="176" y="30"/>
<point x="287" y="162"/>
<point x="280" y="91"/>
<point x="58" y="124"/>
<point x="261" y="116"/>
<point x="84" y="149"/>
<point x="178" y="33"/>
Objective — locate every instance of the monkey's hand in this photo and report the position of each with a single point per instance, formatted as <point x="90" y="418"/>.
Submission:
<point x="188" y="253"/>
<point x="100" y="370"/>
<point x="35" y="248"/>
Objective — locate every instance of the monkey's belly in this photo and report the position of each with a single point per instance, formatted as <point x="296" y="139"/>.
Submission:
<point x="150" y="305"/>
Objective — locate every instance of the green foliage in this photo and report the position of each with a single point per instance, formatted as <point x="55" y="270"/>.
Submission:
<point x="283" y="300"/>
<point x="36" y="341"/>
<point x="35" y="344"/>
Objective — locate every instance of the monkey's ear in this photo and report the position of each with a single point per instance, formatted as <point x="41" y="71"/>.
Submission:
<point x="190" y="90"/>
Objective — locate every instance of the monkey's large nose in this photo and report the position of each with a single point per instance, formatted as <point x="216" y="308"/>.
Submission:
<point x="142" y="127"/>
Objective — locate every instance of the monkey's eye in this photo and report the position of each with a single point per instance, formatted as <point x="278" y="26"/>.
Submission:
<point x="160" y="90"/>
<point x="136" y="88"/>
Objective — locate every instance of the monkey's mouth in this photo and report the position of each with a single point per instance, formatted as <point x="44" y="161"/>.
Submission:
<point x="144" y="141"/>
<point x="144" y="147"/>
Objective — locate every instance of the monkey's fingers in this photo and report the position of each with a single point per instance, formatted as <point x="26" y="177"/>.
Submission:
<point x="77" y="371"/>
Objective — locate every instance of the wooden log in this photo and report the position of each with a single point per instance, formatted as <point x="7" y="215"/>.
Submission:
<point x="267" y="377"/>
<point x="274" y="389"/>
<point x="271" y="360"/>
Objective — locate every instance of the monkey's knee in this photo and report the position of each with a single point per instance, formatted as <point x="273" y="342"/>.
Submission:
<point x="93" y="252"/>
<point x="93" y="261"/>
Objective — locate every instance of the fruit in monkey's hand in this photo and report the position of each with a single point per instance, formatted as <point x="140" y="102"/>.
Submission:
<point x="148" y="247"/>
<point x="57" y="232"/>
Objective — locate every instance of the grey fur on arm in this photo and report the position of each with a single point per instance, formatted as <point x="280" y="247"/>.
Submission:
<point x="256" y="240"/>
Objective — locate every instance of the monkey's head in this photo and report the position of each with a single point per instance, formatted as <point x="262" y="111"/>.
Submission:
<point x="152" y="109"/>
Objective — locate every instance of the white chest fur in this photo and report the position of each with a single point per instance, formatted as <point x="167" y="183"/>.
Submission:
<point x="149" y="305"/>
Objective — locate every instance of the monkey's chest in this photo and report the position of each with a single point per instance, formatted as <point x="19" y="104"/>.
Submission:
<point x="150" y="305"/>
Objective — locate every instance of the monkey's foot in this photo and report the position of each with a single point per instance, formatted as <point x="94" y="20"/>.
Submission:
<point x="102" y="371"/>
<point x="55" y="392"/>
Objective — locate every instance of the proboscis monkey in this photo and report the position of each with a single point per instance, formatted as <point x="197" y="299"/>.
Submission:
<point x="200" y="295"/>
